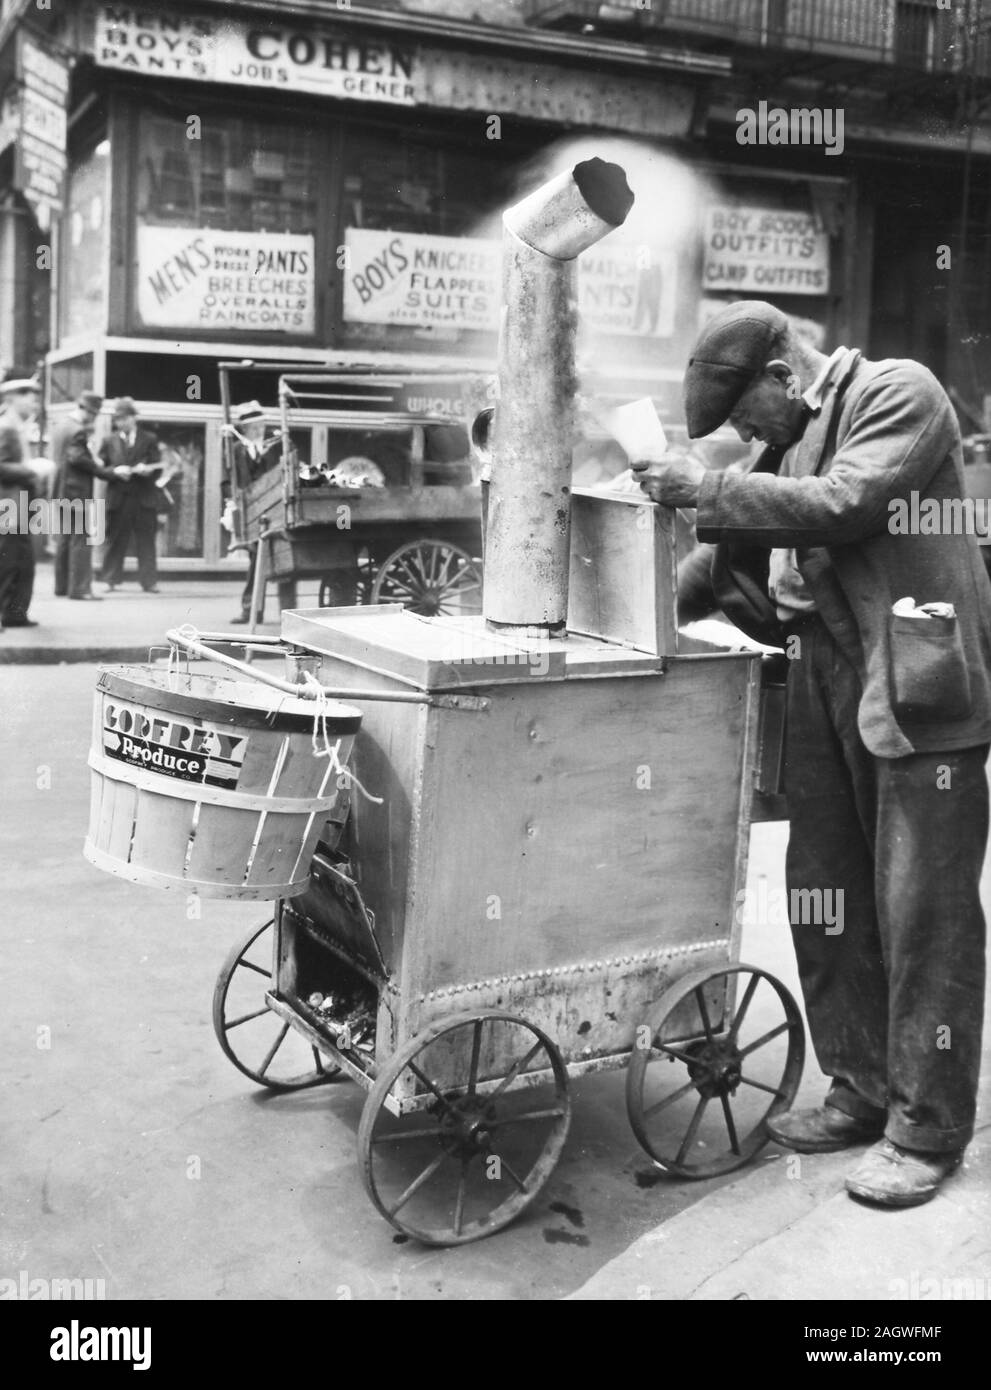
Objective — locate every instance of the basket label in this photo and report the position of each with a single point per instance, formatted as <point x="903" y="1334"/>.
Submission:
<point x="158" y="741"/>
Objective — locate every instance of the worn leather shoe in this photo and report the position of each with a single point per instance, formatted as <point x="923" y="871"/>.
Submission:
<point x="891" y="1176"/>
<point x="823" y="1130"/>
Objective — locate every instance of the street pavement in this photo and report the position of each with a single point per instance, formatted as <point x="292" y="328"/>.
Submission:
<point x="135" y="1153"/>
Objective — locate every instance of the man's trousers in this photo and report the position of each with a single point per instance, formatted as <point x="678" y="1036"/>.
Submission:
<point x="124" y="523"/>
<point x="73" y="566"/>
<point x="895" y="1000"/>
<point x="16" y="576"/>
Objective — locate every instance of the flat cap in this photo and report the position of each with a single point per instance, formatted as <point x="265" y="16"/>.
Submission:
<point x="90" y="400"/>
<point x="732" y="348"/>
<point x="15" y="384"/>
<point x="124" y="405"/>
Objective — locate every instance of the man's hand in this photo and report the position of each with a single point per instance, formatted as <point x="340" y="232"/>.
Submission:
<point x="675" y="481"/>
<point x="122" y="472"/>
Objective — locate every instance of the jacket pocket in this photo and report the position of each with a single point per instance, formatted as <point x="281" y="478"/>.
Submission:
<point x="928" y="669"/>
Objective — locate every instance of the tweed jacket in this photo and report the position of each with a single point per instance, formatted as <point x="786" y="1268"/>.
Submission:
<point x="884" y="442"/>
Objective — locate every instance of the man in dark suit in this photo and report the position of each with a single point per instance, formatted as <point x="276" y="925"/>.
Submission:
<point x="78" y="466"/>
<point x="888" y="719"/>
<point x="132" y="498"/>
<point x="20" y="398"/>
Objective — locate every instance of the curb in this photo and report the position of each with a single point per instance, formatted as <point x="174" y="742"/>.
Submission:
<point x="60" y="656"/>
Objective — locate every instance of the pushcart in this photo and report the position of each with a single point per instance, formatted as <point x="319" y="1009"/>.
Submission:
<point x="541" y="877"/>
<point x="369" y="489"/>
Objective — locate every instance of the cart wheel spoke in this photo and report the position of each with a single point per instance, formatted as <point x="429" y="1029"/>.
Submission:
<point x="759" y="1085"/>
<point x="669" y="1100"/>
<point x="403" y="1136"/>
<point x="459" y="1201"/>
<point x="283" y="1034"/>
<point x="734" y="1143"/>
<point x="703" y="1010"/>
<point x="425" y="1080"/>
<point x="250" y="965"/>
<point x="476" y="1047"/>
<point x="692" y="1129"/>
<point x="246" y="1018"/>
<point x="514" y="1072"/>
<point x="682" y="1056"/>
<point x="505" y="1166"/>
<point x="554" y="1113"/>
<point x="745" y="1002"/>
<point x="765" y="1039"/>
<point x="417" y="1183"/>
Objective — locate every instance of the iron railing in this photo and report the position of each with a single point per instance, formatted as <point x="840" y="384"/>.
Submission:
<point x="915" y="34"/>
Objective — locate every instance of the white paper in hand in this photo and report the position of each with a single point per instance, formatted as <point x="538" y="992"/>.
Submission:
<point x="637" y="429"/>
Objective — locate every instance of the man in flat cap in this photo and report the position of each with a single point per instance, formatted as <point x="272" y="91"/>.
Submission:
<point x="133" y="496"/>
<point x="19" y="401"/>
<point x="888" y="717"/>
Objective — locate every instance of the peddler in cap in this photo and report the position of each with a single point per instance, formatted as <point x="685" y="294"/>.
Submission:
<point x="813" y="537"/>
<point x="733" y="348"/>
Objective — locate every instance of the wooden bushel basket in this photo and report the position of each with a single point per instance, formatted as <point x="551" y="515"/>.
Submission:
<point x="211" y="785"/>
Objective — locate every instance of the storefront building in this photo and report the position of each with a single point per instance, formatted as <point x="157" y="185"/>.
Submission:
<point x="320" y="183"/>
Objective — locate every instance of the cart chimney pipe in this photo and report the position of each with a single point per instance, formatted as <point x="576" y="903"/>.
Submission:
<point x="527" y="546"/>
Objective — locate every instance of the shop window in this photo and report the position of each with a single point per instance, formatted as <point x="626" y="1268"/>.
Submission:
<point x="409" y="186"/>
<point x="84" y="242"/>
<point x="183" y="448"/>
<point x="66" y="379"/>
<point x="226" y="224"/>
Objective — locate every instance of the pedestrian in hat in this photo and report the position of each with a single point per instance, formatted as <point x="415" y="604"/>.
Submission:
<point x="133" y="499"/>
<point x="250" y="455"/>
<point x="888" y="718"/>
<point x="20" y="398"/>
<point x="78" y="466"/>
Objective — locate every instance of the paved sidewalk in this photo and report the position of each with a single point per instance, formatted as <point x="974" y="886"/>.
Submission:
<point x="787" y="1230"/>
<point x="127" y="622"/>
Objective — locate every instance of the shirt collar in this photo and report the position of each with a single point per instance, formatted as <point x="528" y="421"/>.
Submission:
<point x="813" y="397"/>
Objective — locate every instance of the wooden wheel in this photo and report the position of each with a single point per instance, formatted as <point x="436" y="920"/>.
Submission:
<point x="257" y="1041"/>
<point x="480" y="1152"/>
<point x="700" y="1075"/>
<point x="430" y="577"/>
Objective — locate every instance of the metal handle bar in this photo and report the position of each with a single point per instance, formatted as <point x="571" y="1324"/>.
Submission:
<point x="191" y="641"/>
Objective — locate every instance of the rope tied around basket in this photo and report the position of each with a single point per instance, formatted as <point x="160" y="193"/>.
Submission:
<point x="321" y="702"/>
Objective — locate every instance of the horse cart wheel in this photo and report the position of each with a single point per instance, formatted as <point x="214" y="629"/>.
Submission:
<point x="701" y="1072"/>
<point x="257" y="1041"/>
<point x="495" y="1122"/>
<point x="430" y="577"/>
